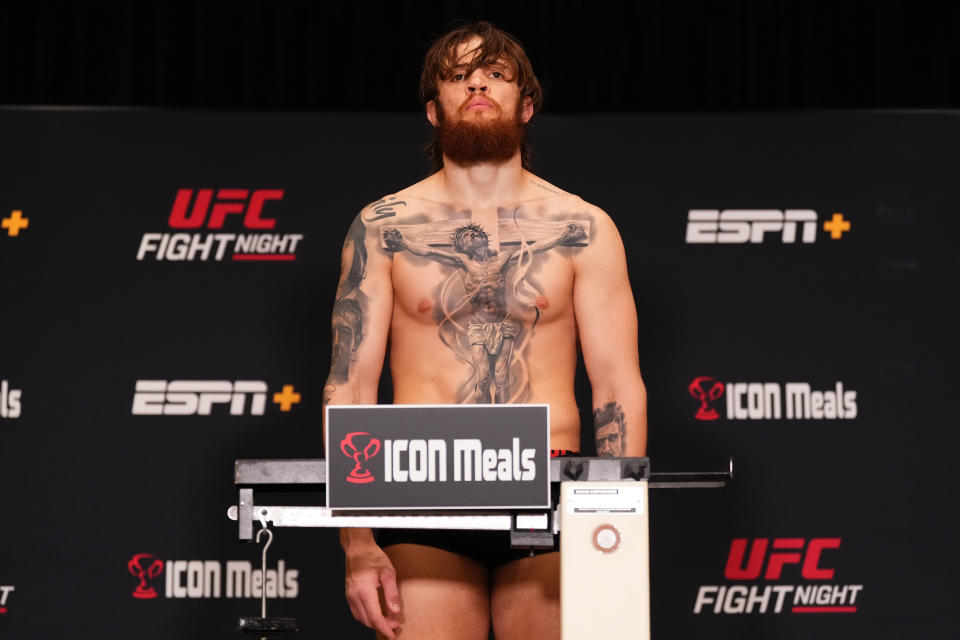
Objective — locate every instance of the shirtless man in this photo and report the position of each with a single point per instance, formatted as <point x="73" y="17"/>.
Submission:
<point x="481" y="270"/>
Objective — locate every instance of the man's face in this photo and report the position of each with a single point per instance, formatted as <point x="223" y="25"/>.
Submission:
<point x="485" y="94"/>
<point x="478" y="244"/>
<point x="344" y="344"/>
<point x="609" y="442"/>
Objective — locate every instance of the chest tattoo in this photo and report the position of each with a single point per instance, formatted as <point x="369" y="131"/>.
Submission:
<point x="481" y="287"/>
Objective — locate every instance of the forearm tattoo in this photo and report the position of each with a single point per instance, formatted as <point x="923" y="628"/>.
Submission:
<point x="347" y="335"/>
<point x="483" y="285"/>
<point x="609" y="428"/>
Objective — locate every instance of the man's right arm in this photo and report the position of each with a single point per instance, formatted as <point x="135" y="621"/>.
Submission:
<point x="361" y="323"/>
<point x="395" y="241"/>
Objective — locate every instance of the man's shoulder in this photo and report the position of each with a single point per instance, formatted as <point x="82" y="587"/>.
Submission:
<point x="391" y="209"/>
<point x="539" y="188"/>
<point x="559" y="202"/>
<point x="418" y="198"/>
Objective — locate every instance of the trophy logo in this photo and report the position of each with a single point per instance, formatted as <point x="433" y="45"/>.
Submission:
<point x="137" y="570"/>
<point x="702" y="389"/>
<point x="359" y="474"/>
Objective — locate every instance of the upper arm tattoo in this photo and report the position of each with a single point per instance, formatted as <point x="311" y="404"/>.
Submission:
<point x="351" y="305"/>
<point x="358" y="266"/>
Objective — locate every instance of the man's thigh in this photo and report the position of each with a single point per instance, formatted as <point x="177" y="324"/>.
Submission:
<point x="442" y="594"/>
<point x="525" y="599"/>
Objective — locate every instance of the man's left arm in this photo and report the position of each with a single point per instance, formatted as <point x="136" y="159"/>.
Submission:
<point x="607" y="320"/>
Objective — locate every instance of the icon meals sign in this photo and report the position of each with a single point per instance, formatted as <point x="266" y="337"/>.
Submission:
<point x="438" y="456"/>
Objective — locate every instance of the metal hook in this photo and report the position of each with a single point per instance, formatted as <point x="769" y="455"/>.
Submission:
<point x="263" y="568"/>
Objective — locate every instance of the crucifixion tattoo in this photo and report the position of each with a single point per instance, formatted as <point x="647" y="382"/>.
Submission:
<point x="490" y="333"/>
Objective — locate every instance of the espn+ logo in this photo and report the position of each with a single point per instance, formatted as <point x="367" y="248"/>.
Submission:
<point x="769" y="561"/>
<point x="198" y="397"/>
<point x="754" y="226"/>
<point x="213" y="209"/>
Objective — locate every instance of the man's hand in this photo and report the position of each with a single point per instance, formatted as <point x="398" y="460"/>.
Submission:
<point x="574" y="233"/>
<point x="368" y="570"/>
<point x="394" y="239"/>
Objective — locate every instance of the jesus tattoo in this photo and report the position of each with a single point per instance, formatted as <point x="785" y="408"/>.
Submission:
<point x="490" y="331"/>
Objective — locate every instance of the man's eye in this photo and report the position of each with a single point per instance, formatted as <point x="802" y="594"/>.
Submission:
<point x="457" y="77"/>
<point x="497" y="75"/>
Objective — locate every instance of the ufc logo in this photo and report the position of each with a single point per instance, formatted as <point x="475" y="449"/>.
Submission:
<point x="197" y="397"/>
<point x="739" y="226"/>
<point x="227" y="202"/>
<point x="785" y="551"/>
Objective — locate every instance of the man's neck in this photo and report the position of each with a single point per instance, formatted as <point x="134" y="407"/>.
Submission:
<point x="483" y="185"/>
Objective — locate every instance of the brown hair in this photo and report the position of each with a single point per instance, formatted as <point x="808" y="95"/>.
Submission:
<point x="495" y="45"/>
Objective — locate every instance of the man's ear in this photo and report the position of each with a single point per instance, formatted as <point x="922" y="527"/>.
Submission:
<point x="432" y="112"/>
<point x="527" y="112"/>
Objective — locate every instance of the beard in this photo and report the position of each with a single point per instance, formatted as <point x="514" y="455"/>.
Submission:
<point x="470" y="143"/>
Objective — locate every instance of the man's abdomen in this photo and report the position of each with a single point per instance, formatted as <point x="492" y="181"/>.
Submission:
<point x="426" y="370"/>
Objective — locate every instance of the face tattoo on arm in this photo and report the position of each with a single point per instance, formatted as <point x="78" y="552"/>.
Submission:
<point x="609" y="428"/>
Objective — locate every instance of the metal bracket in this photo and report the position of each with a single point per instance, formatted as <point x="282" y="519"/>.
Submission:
<point x="533" y="530"/>
<point x="527" y="529"/>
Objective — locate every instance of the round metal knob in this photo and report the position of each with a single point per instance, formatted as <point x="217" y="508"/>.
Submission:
<point x="606" y="538"/>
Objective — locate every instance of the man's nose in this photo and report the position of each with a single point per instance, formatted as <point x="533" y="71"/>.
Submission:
<point x="477" y="81"/>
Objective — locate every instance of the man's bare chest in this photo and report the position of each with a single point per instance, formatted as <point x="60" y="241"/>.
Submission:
<point x="458" y="268"/>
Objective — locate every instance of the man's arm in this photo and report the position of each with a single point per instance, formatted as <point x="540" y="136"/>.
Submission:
<point x="361" y="319"/>
<point x="607" y="320"/>
<point x="571" y="234"/>
<point x="361" y="323"/>
<point x="396" y="242"/>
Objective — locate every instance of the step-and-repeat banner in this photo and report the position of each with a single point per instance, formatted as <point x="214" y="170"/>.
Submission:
<point x="168" y="279"/>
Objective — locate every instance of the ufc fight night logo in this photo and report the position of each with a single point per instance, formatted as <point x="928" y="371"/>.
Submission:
<point x="5" y="591"/>
<point x="216" y="210"/>
<point x="754" y="226"/>
<point x="807" y="563"/>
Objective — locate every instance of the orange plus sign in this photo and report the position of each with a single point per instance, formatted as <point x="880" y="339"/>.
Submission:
<point x="836" y="226"/>
<point x="15" y="222"/>
<point x="286" y="398"/>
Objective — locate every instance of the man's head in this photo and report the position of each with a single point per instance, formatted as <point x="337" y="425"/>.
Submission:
<point x="479" y="90"/>
<point x="470" y="239"/>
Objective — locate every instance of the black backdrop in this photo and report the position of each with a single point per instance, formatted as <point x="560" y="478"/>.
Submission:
<point x="89" y="485"/>
<point x="589" y="54"/>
